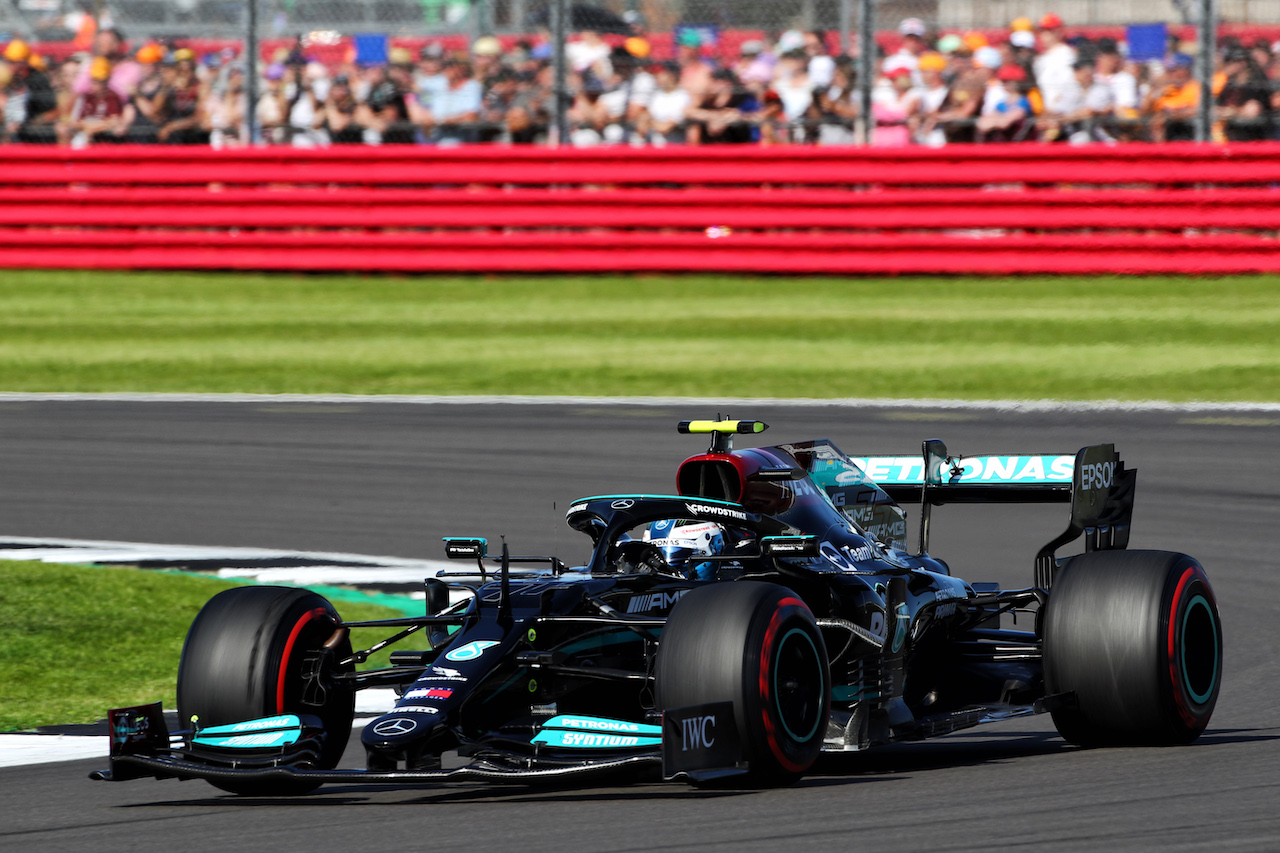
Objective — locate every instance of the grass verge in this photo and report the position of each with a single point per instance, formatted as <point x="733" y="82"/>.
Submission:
<point x="76" y="640"/>
<point x="1027" y="338"/>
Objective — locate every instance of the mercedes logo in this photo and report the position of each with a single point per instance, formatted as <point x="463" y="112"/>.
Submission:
<point x="625" y="503"/>
<point x="395" y="726"/>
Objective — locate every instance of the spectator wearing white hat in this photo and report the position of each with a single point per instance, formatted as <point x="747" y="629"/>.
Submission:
<point x="822" y="66"/>
<point x="989" y="59"/>
<point x="789" y="41"/>
<point x="1023" y="40"/>
<point x="589" y="53"/>
<point x="485" y="53"/>
<point x="913" y="32"/>
<point x="792" y="85"/>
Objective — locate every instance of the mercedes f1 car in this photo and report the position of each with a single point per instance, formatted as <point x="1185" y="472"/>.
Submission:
<point x="767" y="611"/>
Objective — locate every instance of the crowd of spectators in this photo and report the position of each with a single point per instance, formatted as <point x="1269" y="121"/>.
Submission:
<point x="1031" y="85"/>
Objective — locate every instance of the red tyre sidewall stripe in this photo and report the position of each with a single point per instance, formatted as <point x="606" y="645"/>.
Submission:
<point x="1175" y="632"/>
<point x="288" y="650"/>
<point x="766" y="683"/>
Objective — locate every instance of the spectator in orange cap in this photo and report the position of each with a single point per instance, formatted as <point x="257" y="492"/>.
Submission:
<point x="32" y="118"/>
<point x="933" y="93"/>
<point x="149" y="54"/>
<point x="125" y="73"/>
<point x="150" y="95"/>
<point x="1053" y="68"/>
<point x="100" y="115"/>
<point x="638" y="47"/>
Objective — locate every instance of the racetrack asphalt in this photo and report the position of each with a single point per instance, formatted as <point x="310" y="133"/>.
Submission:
<point x="392" y="478"/>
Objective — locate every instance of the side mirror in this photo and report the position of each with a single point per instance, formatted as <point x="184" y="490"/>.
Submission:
<point x="456" y="548"/>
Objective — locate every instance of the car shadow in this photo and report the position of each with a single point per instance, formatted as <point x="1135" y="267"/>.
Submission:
<point x="879" y="765"/>
<point x="940" y="754"/>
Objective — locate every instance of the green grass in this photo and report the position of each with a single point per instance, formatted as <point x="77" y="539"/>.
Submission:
<point x="1028" y="338"/>
<point x="76" y="641"/>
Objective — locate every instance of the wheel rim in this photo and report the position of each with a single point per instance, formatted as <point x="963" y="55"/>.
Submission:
<point x="797" y="667"/>
<point x="1199" y="650"/>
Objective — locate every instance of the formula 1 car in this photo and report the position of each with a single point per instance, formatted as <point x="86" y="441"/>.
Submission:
<point x="768" y="611"/>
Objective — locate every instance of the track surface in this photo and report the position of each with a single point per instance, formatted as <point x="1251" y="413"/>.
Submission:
<point x="392" y="479"/>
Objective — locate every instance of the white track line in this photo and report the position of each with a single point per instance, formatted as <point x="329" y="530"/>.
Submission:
<point x="20" y="750"/>
<point x="54" y="550"/>
<point x="693" y="402"/>
<point x="30" y="748"/>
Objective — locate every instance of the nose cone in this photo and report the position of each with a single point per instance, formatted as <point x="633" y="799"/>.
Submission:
<point x="397" y="729"/>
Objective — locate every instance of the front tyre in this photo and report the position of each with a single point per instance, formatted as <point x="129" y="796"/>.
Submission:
<point x="1136" y="637"/>
<point x="755" y="645"/>
<point x="246" y="656"/>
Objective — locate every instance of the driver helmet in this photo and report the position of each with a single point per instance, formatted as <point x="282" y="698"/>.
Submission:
<point x="682" y="541"/>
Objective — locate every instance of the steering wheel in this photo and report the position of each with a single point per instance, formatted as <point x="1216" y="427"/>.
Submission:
<point x="638" y="556"/>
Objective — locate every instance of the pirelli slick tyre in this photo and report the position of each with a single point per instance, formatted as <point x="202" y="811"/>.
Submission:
<point x="755" y="645"/>
<point x="1135" y="639"/>
<point x="244" y="658"/>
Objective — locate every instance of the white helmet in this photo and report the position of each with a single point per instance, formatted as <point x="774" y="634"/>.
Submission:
<point x="682" y="541"/>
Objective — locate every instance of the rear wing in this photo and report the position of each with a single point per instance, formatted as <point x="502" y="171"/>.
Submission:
<point x="1094" y="482"/>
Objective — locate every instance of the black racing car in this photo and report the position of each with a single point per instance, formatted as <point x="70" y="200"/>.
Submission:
<point x="766" y="612"/>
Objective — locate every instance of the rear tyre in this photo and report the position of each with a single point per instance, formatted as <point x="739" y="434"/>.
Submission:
<point x="244" y="658"/>
<point x="755" y="645"/>
<point x="1136" y="637"/>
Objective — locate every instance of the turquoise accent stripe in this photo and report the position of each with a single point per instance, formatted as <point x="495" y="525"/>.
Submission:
<point x="974" y="470"/>
<point x="581" y="732"/>
<point x="253" y="734"/>
<point x="1198" y="698"/>
<point x="595" y="740"/>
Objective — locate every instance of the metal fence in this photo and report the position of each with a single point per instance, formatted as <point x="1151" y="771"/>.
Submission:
<point x="851" y="26"/>
<point x="228" y="18"/>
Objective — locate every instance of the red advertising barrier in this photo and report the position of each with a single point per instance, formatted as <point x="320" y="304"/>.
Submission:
<point x="967" y="209"/>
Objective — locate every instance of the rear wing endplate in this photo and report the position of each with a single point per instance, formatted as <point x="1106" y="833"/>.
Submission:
<point x="1094" y="481"/>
